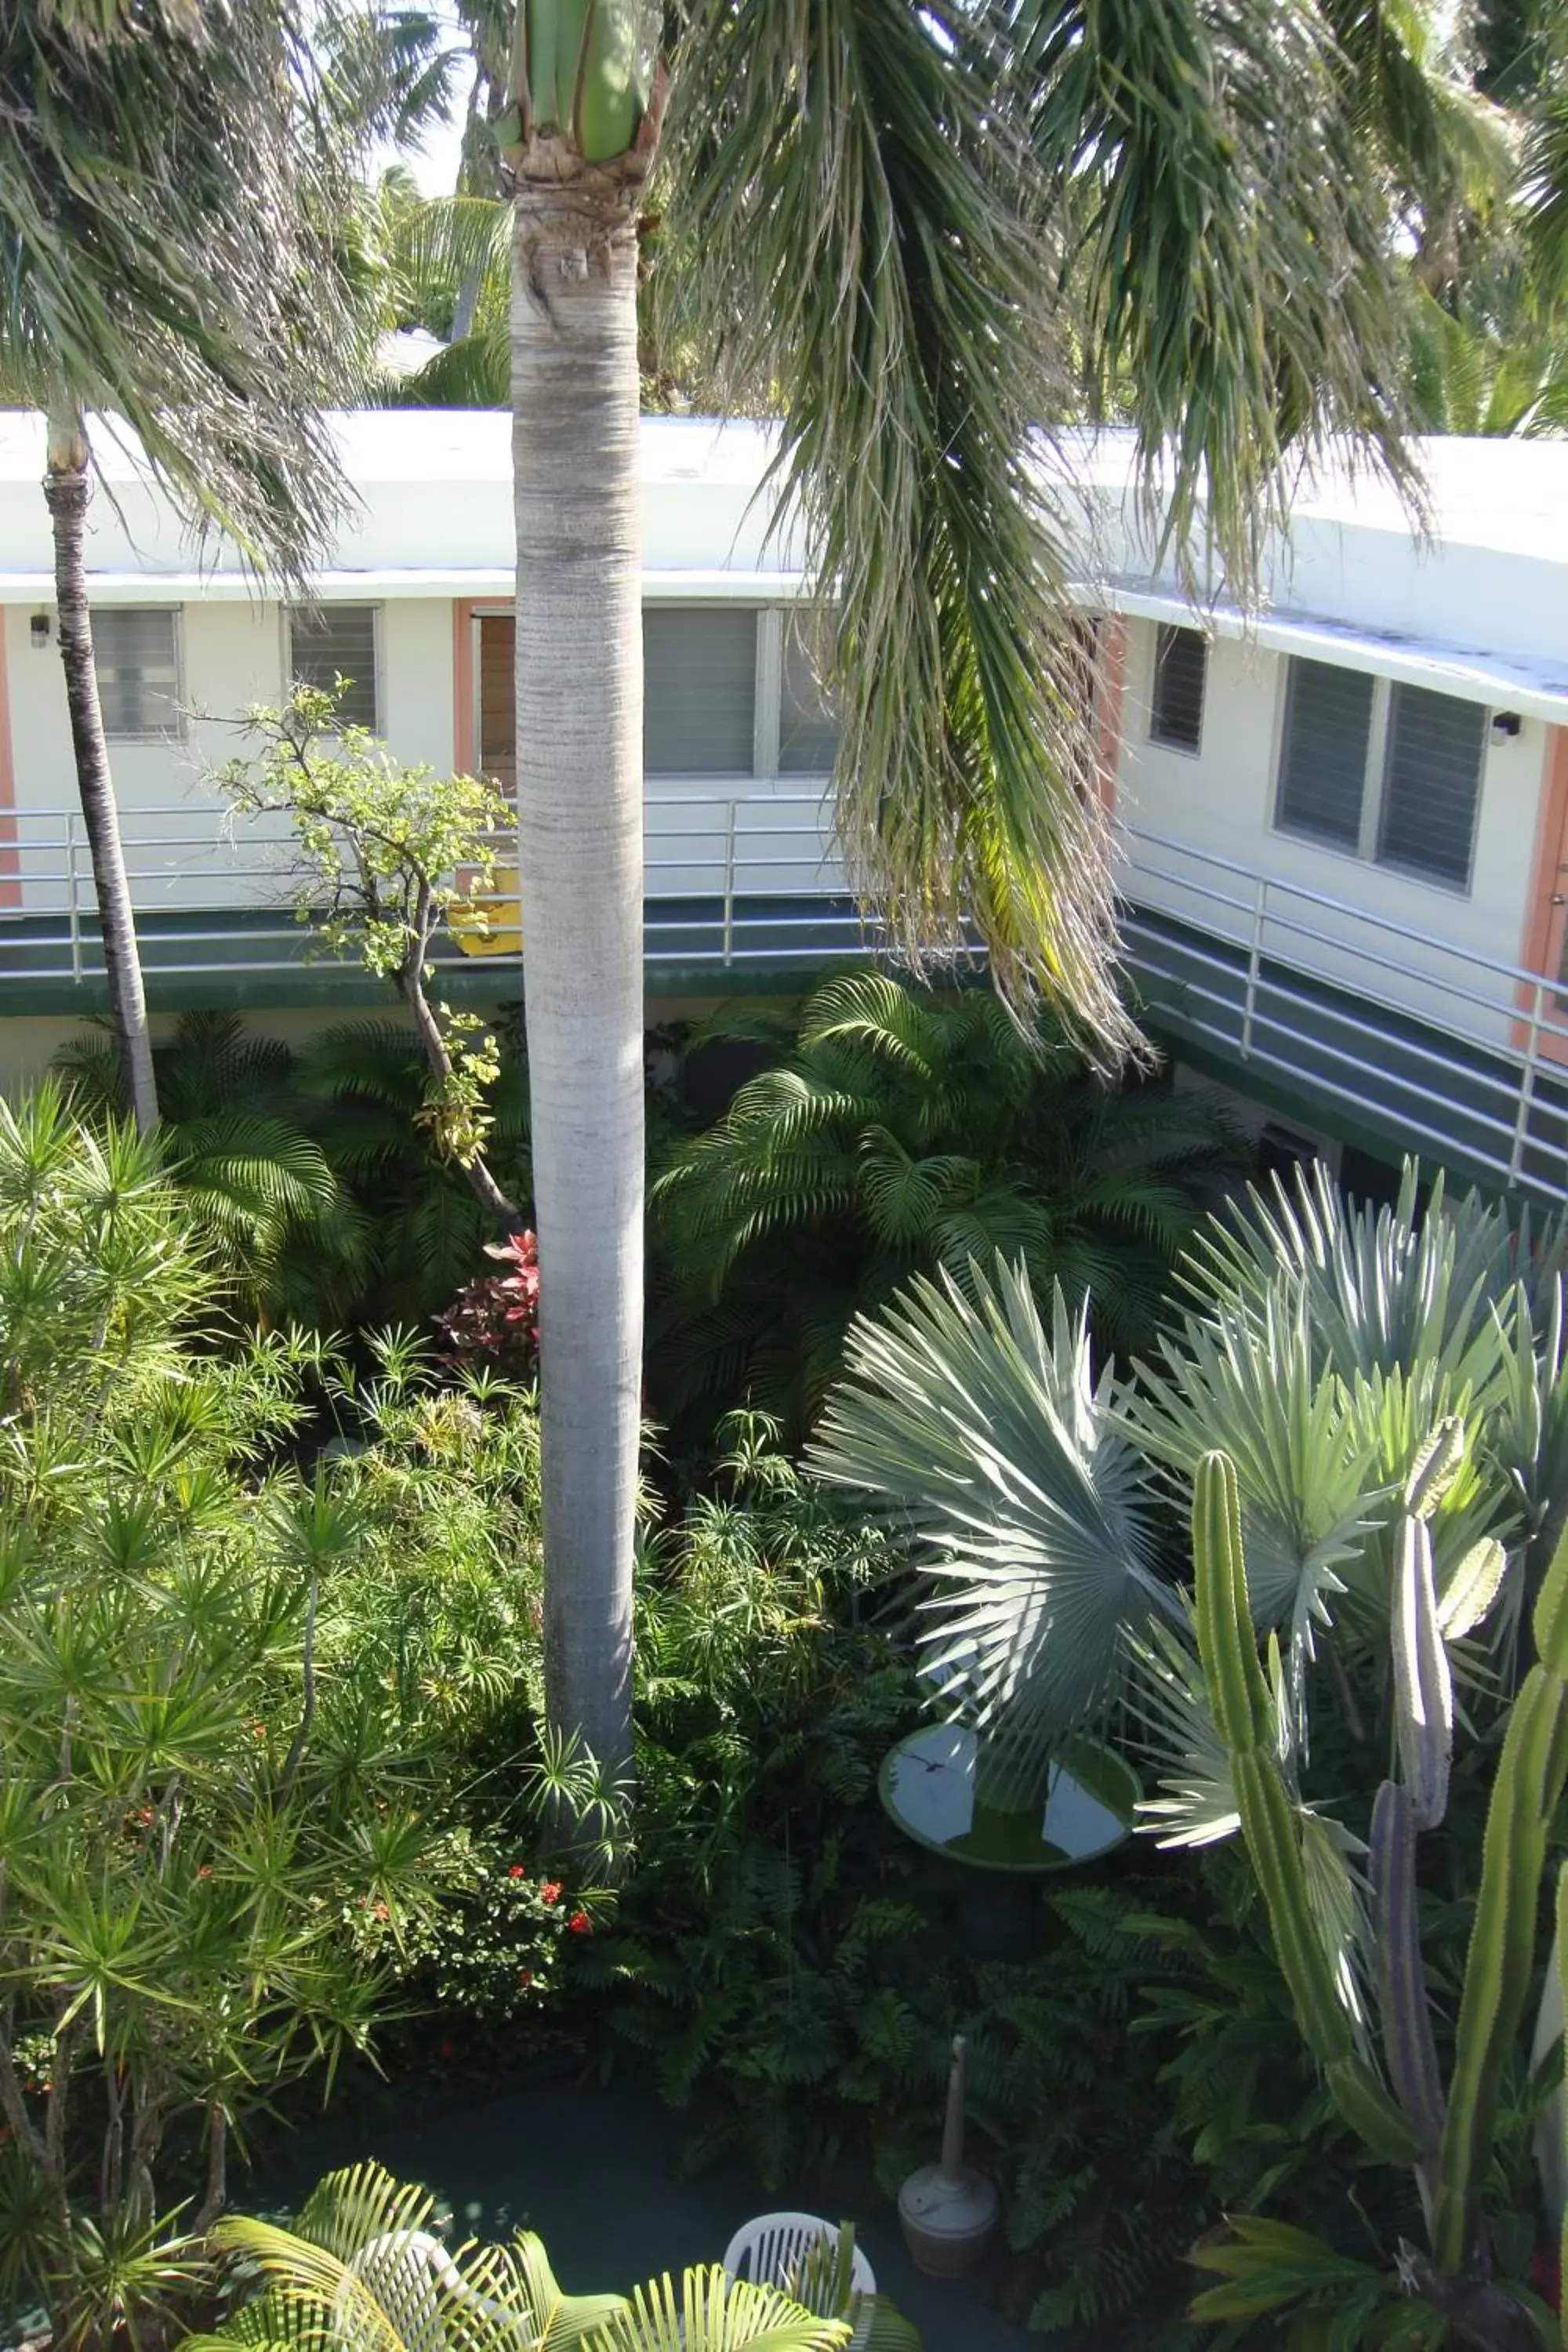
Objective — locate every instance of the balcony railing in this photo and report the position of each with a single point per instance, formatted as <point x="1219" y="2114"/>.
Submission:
<point x="1355" y="1021"/>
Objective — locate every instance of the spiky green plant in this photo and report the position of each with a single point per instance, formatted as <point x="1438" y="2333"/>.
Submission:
<point x="1448" y="2142"/>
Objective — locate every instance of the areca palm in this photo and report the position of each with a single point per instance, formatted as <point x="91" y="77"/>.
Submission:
<point x="882" y="206"/>
<point x="907" y="1131"/>
<point x="361" y="2267"/>
<point x="169" y="260"/>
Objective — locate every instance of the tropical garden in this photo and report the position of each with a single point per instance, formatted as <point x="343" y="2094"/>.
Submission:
<point x="490" y="1540"/>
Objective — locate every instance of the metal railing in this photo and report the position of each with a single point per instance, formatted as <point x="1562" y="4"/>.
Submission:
<point x="1457" y="1054"/>
<point x="1429" y="1044"/>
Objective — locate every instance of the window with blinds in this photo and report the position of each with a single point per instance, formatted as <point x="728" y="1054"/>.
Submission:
<point x="1392" y="774"/>
<point x="808" y="730"/>
<point x="1177" y="705"/>
<point x="136" y="654"/>
<point x="1431" y="783"/>
<point x="699" y="691"/>
<point x="1323" y="768"/>
<point x="327" y="641"/>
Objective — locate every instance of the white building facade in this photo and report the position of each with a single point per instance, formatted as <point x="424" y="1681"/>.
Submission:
<point x="1345" y="817"/>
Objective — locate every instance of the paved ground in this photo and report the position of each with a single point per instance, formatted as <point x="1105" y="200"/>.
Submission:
<point x="592" y="2171"/>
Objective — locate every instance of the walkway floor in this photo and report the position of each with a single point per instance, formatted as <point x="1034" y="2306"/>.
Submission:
<point x="593" y="2172"/>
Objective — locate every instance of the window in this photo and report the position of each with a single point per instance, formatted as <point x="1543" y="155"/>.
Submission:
<point x="1177" y="705"/>
<point x="808" y="730"/>
<point x="327" y="642"/>
<point x="1431" y="783"/>
<point x="1322" y="773"/>
<point x="699" y="691"/>
<point x="136" y="655"/>
<point x="1392" y="774"/>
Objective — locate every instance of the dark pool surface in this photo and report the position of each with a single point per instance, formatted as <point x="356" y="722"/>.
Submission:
<point x="593" y="2172"/>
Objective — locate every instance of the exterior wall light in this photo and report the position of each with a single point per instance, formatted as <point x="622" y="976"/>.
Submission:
<point x="1505" y="723"/>
<point x="39" y="630"/>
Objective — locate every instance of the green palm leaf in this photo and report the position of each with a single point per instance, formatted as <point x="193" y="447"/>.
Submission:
<point x="987" y="1437"/>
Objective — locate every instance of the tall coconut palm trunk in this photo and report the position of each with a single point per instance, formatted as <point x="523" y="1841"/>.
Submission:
<point x="66" y="491"/>
<point x="579" y="784"/>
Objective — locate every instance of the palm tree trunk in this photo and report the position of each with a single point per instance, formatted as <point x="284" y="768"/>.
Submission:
<point x="579" y="779"/>
<point x="66" y="492"/>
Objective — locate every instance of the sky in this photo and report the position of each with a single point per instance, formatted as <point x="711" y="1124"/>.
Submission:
<point x="435" y="166"/>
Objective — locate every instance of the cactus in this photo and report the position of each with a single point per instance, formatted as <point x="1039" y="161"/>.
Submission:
<point x="1423" y="1690"/>
<point x="1245" y="1717"/>
<point x="1403" y="2008"/>
<point x="1531" y="1774"/>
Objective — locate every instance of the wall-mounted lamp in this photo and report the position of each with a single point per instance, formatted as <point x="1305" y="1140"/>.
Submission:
<point x="39" y="630"/>
<point x="1505" y="723"/>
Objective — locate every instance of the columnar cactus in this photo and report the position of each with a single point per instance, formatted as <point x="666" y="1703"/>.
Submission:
<point x="1532" y="1771"/>
<point x="1448" y="2143"/>
<point x="1245" y="1715"/>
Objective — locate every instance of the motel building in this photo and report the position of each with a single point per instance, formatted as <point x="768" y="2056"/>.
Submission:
<point x="1343" y="818"/>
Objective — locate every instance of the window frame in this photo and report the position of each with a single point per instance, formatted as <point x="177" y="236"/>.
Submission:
<point x="1374" y="783"/>
<point x="343" y="604"/>
<point x="1164" y="743"/>
<point x="179" y="730"/>
<point x="772" y="618"/>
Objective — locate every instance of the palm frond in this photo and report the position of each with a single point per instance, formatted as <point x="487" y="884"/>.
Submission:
<point x="854" y="199"/>
<point x="986" y="1438"/>
<point x="169" y="256"/>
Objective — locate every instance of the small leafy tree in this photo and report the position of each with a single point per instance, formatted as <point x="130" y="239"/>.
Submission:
<point x="190" y="1807"/>
<point x="391" y="856"/>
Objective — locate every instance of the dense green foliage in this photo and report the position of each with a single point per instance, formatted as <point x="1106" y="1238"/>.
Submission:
<point x="905" y="1131"/>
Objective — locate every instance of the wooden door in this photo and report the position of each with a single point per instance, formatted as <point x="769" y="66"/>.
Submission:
<point x="1545" y="947"/>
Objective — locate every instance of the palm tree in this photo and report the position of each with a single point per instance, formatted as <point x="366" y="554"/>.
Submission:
<point x="168" y="259"/>
<point x="901" y="1132"/>
<point x="914" y="234"/>
<point x="363" y="2267"/>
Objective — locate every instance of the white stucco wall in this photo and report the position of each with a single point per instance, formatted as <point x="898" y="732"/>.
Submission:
<point x="1220" y="803"/>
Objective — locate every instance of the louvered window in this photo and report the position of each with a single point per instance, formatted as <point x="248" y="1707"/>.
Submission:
<point x="136" y="654"/>
<point x="329" y="642"/>
<point x="1392" y="774"/>
<point x="699" y="691"/>
<point x="1322" y="775"/>
<point x="808" y="731"/>
<point x="1431" y="786"/>
<point x="1177" y="705"/>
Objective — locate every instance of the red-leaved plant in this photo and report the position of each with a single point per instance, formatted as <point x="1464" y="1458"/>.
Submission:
<point x="495" y="1320"/>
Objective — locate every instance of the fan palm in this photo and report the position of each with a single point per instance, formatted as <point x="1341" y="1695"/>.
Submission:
<point x="169" y="259"/>
<point x="361" y="2267"/>
<point x="881" y="206"/>
<point x="1328" y="1349"/>
<point x="907" y="1132"/>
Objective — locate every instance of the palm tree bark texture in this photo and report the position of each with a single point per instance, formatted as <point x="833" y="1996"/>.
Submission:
<point x="579" y="786"/>
<point x="67" y="490"/>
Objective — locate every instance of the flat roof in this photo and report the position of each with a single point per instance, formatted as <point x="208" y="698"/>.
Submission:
<point x="1509" y="495"/>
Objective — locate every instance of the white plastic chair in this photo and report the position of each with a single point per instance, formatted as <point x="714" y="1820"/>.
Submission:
<point x="769" y="2250"/>
<point x="416" y="2281"/>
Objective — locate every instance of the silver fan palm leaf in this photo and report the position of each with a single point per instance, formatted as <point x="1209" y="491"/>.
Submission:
<point x="986" y="1435"/>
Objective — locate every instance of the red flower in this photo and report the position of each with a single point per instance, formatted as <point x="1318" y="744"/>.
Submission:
<point x="580" y="1923"/>
<point x="551" y="1890"/>
<point x="448" y="2050"/>
<point x="516" y="1870"/>
<point x="525" y="1976"/>
<point x="380" y="1911"/>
